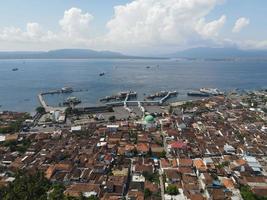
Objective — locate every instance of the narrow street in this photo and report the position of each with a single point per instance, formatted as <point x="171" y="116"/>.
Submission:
<point x="161" y="185"/>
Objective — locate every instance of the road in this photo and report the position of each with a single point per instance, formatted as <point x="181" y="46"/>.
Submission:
<point x="161" y="185"/>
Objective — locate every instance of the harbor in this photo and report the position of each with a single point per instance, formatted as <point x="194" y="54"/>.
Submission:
<point x="125" y="99"/>
<point x="124" y="104"/>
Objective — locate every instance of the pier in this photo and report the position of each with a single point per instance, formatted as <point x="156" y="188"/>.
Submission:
<point x="153" y="102"/>
<point x="167" y="96"/>
<point x="140" y="104"/>
<point x="47" y="107"/>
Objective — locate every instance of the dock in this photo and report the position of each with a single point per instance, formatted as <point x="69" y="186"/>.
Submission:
<point x="126" y="102"/>
<point x="174" y="93"/>
<point x="47" y="107"/>
<point x="137" y="102"/>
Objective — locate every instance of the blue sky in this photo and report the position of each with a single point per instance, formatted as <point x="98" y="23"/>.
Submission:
<point x="136" y="26"/>
<point x="48" y="12"/>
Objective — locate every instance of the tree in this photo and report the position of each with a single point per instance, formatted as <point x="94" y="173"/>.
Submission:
<point x="163" y="154"/>
<point x="36" y="187"/>
<point x="172" y="190"/>
<point x="112" y="118"/>
<point x="40" y="110"/>
<point x="20" y="146"/>
<point x="56" y="192"/>
<point x="27" y="187"/>
<point x="247" y="194"/>
<point x="150" y="176"/>
<point x="147" y="193"/>
<point x="68" y="111"/>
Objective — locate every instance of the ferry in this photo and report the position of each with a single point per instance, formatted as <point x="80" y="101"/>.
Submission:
<point x="120" y="96"/>
<point x="66" y="90"/>
<point x="158" y="94"/>
<point x="198" y="94"/>
<point x="211" y="91"/>
<point x="124" y="93"/>
<point x="72" y="100"/>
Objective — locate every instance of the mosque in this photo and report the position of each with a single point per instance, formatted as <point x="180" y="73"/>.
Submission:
<point x="148" y="121"/>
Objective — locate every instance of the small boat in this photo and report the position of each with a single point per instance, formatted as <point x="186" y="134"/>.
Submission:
<point x="15" y="69"/>
<point x="148" y="67"/>
<point x="102" y="74"/>
<point x="198" y="94"/>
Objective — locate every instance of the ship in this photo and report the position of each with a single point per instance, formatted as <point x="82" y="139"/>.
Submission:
<point x="102" y="74"/>
<point x="66" y="90"/>
<point x="72" y="101"/>
<point x="198" y="94"/>
<point x="211" y="91"/>
<point x="124" y="93"/>
<point x="120" y="96"/>
<point x="15" y="69"/>
<point x="157" y="95"/>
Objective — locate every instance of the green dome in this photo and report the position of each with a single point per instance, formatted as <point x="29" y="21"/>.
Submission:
<point x="149" y="119"/>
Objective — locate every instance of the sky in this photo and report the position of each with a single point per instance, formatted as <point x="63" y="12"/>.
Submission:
<point x="147" y="27"/>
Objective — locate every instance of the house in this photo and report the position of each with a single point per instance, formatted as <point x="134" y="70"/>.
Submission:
<point x="138" y="178"/>
<point x="112" y="128"/>
<point x="177" y="147"/>
<point x="200" y="165"/>
<point x="136" y="195"/>
<point x="254" y="164"/>
<point x="142" y="148"/>
<point x="129" y="150"/>
<point x="229" y="149"/>
<point x="111" y="196"/>
<point x="75" y="129"/>
<point x="156" y="150"/>
<point x="140" y="168"/>
<point x="172" y="175"/>
<point x="185" y="162"/>
<point x="86" y="189"/>
<point x="116" y="184"/>
<point x="152" y="187"/>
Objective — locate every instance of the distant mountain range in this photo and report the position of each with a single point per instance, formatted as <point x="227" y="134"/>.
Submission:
<point x="218" y="53"/>
<point x="66" y="54"/>
<point x="194" y="53"/>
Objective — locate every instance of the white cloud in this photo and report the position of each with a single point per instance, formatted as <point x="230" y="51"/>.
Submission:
<point x="75" y="32"/>
<point x="210" y="29"/>
<point x="145" y="24"/>
<point x="253" y="44"/>
<point x="33" y="33"/>
<point x="34" y="30"/>
<point x="240" y="24"/>
<point x="141" y="25"/>
<point x="75" y="23"/>
<point x="162" y="22"/>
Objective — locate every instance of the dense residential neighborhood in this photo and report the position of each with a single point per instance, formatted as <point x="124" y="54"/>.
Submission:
<point x="212" y="148"/>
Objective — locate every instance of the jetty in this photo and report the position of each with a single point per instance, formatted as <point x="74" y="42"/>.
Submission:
<point x="126" y="102"/>
<point x="46" y="106"/>
<point x="146" y="102"/>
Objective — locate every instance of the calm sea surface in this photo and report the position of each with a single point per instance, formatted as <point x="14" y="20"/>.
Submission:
<point x="19" y="89"/>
